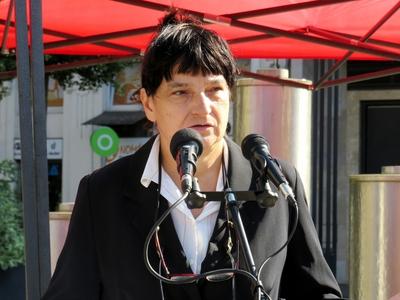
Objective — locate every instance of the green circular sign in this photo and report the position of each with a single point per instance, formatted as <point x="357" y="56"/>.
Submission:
<point x="104" y="141"/>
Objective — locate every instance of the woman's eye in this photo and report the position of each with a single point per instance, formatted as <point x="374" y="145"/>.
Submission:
<point x="179" y="93"/>
<point x="216" y="89"/>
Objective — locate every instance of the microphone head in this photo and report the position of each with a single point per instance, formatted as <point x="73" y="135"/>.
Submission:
<point x="251" y="142"/>
<point x="185" y="136"/>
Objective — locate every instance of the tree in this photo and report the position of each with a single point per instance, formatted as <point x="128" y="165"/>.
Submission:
<point x="89" y="77"/>
<point x="7" y="63"/>
<point x="11" y="229"/>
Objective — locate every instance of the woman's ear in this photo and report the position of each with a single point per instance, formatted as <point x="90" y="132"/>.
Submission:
<point x="148" y="105"/>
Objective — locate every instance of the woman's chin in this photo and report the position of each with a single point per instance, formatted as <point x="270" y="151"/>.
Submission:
<point x="212" y="143"/>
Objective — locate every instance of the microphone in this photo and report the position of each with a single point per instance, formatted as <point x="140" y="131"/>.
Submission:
<point x="256" y="149"/>
<point x="186" y="146"/>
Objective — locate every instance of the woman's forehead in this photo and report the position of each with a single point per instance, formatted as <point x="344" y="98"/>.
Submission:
<point x="187" y="78"/>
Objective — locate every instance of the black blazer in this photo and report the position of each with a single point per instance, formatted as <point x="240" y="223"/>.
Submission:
<point x="103" y="254"/>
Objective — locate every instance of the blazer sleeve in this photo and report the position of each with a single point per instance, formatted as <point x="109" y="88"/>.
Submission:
<point x="76" y="276"/>
<point x="306" y="274"/>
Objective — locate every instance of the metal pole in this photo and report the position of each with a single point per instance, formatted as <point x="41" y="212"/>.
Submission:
<point x="232" y="204"/>
<point x="340" y="62"/>
<point x="361" y="77"/>
<point x="40" y="143"/>
<point x="386" y="43"/>
<point x="284" y="8"/>
<point x="100" y="37"/>
<point x="72" y="36"/>
<point x="274" y="79"/>
<point x="27" y="154"/>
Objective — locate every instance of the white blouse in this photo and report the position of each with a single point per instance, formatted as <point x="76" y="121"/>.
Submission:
<point x="193" y="233"/>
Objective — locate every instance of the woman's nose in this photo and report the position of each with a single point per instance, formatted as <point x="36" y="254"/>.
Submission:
<point x="201" y="104"/>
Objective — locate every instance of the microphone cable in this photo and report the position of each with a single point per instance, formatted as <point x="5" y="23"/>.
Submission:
<point x="292" y="202"/>
<point x="184" y="279"/>
<point x="156" y="226"/>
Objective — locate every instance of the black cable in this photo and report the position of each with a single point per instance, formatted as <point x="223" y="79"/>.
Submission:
<point x="181" y="280"/>
<point x="157" y="211"/>
<point x="293" y="202"/>
<point x="155" y="227"/>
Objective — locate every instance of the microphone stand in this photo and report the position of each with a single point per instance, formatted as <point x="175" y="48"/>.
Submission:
<point x="232" y="204"/>
<point x="265" y="197"/>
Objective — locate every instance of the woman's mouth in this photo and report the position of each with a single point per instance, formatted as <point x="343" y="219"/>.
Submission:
<point x="201" y="127"/>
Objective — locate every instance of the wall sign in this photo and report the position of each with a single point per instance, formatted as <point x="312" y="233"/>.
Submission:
<point x="104" y="141"/>
<point x="54" y="148"/>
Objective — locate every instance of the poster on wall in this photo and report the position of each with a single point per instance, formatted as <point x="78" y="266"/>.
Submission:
<point x="127" y="146"/>
<point x="55" y="95"/>
<point x="129" y="83"/>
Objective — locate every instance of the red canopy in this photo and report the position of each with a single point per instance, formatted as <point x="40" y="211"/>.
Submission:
<point x="271" y="29"/>
<point x="254" y="28"/>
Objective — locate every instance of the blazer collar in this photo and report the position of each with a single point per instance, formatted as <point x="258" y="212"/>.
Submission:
<point x="239" y="169"/>
<point x="137" y="163"/>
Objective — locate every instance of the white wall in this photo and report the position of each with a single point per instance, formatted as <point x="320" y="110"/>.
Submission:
<point x="9" y="127"/>
<point x="79" y="159"/>
<point x="54" y="122"/>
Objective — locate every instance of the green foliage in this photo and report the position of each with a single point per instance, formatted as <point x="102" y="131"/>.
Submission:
<point x="11" y="228"/>
<point x="91" y="77"/>
<point x="7" y="63"/>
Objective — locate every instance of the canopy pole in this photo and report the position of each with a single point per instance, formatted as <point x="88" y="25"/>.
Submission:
<point x="284" y="8"/>
<point x="277" y="80"/>
<point x="40" y="143"/>
<point x="361" y="77"/>
<point x="27" y="156"/>
<point x="100" y="37"/>
<point x="34" y="161"/>
<point x="339" y="43"/>
<point x="356" y="37"/>
<point x="340" y="62"/>
<point x="65" y="35"/>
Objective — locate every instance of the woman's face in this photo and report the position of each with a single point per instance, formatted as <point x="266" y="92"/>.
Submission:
<point x="200" y="102"/>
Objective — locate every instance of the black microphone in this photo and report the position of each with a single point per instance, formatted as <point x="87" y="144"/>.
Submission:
<point x="186" y="146"/>
<point x="256" y="149"/>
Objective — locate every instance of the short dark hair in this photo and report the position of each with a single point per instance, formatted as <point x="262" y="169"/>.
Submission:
<point x="184" y="44"/>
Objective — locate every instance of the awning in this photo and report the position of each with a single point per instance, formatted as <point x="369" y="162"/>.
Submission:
<point x="109" y="118"/>
<point x="313" y="29"/>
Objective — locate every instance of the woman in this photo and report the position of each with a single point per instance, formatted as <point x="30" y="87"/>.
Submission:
<point x="187" y="76"/>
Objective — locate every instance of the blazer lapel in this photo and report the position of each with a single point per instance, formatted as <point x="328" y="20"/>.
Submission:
<point x="239" y="170"/>
<point x="141" y="202"/>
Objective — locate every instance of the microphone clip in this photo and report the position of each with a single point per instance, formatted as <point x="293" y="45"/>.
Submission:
<point x="195" y="199"/>
<point x="266" y="197"/>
